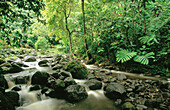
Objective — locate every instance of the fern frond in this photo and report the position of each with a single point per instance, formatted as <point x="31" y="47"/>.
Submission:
<point x="124" y="55"/>
<point x="144" y="59"/>
<point x="148" y="39"/>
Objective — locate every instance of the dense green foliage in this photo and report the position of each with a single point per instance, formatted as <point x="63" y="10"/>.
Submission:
<point x="121" y="32"/>
<point x="42" y="43"/>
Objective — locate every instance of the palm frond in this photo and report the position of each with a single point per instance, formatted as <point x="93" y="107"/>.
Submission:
<point x="124" y="55"/>
<point x="144" y="59"/>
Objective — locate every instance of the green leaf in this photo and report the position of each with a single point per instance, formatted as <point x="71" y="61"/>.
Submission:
<point x="144" y="59"/>
<point x="124" y="55"/>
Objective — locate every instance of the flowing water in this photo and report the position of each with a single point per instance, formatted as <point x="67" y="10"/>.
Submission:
<point x="34" y="100"/>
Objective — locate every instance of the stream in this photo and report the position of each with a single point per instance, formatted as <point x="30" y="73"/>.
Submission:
<point x="34" y="100"/>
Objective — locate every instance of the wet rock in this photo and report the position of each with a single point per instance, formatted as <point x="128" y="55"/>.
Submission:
<point x="77" y="69"/>
<point x="14" y="97"/>
<point x="54" y="63"/>
<point x="43" y="63"/>
<point x="40" y="78"/>
<point x="9" y="100"/>
<point x="15" y="68"/>
<point x="11" y="68"/>
<point x="75" y="93"/>
<point x="21" y="79"/>
<point x="69" y="81"/>
<point x="34" y="88"/>
<point x="16" y="88"/>
<point x="121" y="77"/>
<point x="65" y="73"/>
<point x="128" y="106"/>
<point x="58" y="66"/>
<point x="141" y="107"/>
<point x="56" y="75"/>
<point x="94" y="84"/>
<point x="60" y="93"/>
<point x="115" y="91"/>
<point x="21" y="64"/>
<point x="29" y="59"/>
<point x="153" y="103"/>
<point x="3" y="83"/>
<point x="44" y="90"/>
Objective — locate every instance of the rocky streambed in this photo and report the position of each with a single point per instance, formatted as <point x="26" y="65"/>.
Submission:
<point x="54" y="82"/>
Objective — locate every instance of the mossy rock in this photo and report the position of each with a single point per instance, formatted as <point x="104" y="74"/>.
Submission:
<point x="77" y="69"/>
<point x="40" y="78"/>
<point x="128" y="106"/>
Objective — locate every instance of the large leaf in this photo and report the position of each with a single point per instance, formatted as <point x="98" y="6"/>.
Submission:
<point x="124" y="55"/>
<point x="144" y="59"/>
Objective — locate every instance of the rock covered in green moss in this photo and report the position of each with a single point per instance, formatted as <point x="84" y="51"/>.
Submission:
<point x="10" y="68"/>
<point x="75" y="93"/>
<point x="77" y="69"/>
<point x="40" y="78"/>
<point x="128" y="106"/>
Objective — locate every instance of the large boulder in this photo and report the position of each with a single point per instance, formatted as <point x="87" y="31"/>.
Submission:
<point x="57" y="86"/>
<point x="59" y="94"/>
<point x="22" y="79"/>
<point x="34" y="88"/>
<point x="69" y="81"/>
<point x="15" y="68"/>
<point x="115" y="91"/>
<point x="14" y="97"/>
<point x="9" y="100"/>
<point x="43" y="63"/>
<point x="29" y="59"/>
<point x="3" y="83"/>
<point x="77" y="69"/>
<point x="75" y="93"/>
<point x="94" y="84"/>
<point x="12" y="68"/>
<point x="40" y="78"/>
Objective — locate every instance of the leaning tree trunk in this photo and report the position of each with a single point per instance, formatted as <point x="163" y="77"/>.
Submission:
<point x="84" y="32"/>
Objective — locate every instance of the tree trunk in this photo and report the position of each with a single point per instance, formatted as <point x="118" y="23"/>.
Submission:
<point x="84" y="31"/>
<point x="69" y="33"/>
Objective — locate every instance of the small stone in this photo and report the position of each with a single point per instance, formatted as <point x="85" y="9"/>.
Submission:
<point x="16" y="88"/>
<point x="129" y="89"/>
<point x="141" y="107"/>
